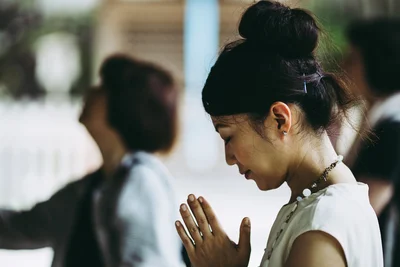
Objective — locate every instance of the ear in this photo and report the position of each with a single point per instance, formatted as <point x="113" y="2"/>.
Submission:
<point x="282" y="116"/>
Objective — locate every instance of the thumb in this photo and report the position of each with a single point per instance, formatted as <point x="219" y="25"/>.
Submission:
<point x="244" y="237"/>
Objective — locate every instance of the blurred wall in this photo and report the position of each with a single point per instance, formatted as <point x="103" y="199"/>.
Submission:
<point x="150" y="30"/>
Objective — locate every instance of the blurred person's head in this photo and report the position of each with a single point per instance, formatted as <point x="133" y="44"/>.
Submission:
<point x="94" y="118"/>
<point x="268" y="96"/>
<point x="374" y="56"/>
<point x="142" y="103"/>
<point x="94" y="112"/>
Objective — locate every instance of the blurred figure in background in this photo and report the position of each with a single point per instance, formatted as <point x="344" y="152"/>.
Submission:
<point x="374" y="64"/>
<point x="109" y="217"/>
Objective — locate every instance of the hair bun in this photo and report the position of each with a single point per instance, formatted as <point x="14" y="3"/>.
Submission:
<point x="269" y="24"/>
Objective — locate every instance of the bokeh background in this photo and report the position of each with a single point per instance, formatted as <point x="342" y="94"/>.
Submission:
<point x="50" y="51"/>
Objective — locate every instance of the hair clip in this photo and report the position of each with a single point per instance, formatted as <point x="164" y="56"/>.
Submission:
<point x="305" y="84"/>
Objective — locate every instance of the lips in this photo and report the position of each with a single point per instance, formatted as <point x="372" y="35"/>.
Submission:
<point x="245" y="173"/>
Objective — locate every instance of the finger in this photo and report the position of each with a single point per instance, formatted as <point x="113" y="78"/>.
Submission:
<point x="199" y="215"/>
<point x="187" y="242"/>
<point x="211" y="217"/>
<point x="190" y="224"/>
<point x="244" y="237"/>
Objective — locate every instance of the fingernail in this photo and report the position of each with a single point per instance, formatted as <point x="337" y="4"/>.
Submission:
<point x="177" y="224"/>
<point x="183" y="207"/>
<point x="201" y="199"/>
<point x="191" y="198"/>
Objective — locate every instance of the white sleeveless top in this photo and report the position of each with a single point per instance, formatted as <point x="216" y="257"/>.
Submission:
<point x="341" y="210"/>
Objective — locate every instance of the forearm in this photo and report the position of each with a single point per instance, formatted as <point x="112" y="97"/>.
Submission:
<point x="18" y="231"/>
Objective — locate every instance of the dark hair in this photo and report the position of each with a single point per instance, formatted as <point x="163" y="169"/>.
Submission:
<point x="142" y="103"/>
<point x="270" y="63"/>
<point x="378" y="41"/>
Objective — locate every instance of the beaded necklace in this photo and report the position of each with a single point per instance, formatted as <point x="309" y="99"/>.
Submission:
<point x="306" y="193"/>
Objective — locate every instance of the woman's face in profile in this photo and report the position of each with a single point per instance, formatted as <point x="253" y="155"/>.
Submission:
<point x="93" y="115"/>
<point x="257" y="157"/>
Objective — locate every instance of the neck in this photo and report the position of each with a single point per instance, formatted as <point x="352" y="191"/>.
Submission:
<point x="312" y="163"/>
<point x="112" y="150"/>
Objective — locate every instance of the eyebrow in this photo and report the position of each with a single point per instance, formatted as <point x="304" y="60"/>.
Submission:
<point x="220" y="125"/>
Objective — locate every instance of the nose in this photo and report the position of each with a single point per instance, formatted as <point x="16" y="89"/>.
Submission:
<point x="229" y="156"/>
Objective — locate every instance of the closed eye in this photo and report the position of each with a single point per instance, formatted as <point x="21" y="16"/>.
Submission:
<point x="227" y="140"/>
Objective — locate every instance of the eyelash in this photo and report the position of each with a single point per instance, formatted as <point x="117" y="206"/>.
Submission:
<point x="227" y="140"/>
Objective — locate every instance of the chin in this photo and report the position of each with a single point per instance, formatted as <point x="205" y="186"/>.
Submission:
<point x="263" y="187"/>
<point x="266" y="186"/>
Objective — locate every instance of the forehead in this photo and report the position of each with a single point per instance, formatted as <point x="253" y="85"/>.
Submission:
<point x="229" y="121"/>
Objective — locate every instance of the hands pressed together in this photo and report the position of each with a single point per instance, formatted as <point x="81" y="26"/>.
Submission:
<point x="206" y="242"/>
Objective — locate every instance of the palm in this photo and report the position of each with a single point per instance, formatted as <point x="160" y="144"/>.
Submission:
<point x="206" y="243"/>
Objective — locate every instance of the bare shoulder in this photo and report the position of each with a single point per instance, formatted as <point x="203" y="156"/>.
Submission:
<point x="316" y="248"/>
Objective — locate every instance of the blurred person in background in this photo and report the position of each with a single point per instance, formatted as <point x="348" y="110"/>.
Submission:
<point x="374" y="64"/>
<point x="122" y="214"/>
<point x="272" y="103"/>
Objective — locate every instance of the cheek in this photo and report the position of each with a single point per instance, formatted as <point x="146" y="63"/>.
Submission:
<point x="267" y="165"/>
<point x="262" y="158"/>
<point x="271" y="176"/>
<point x="243" y="152"/>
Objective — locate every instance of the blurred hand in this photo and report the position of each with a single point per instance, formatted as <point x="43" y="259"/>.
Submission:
<point x="206" y="243"/>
